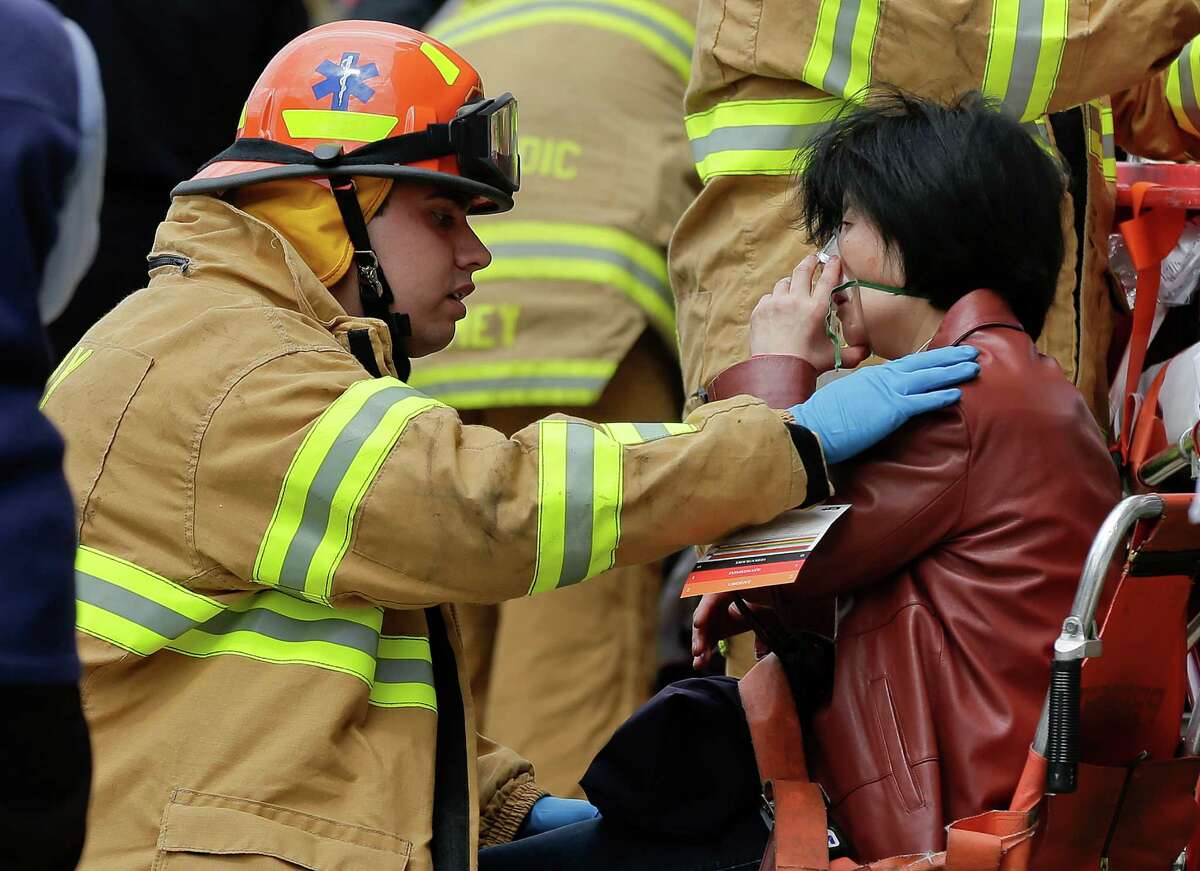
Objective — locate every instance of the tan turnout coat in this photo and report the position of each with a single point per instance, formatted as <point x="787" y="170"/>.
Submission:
<point x="260" y="526"/>
<point x="768" y="74"/>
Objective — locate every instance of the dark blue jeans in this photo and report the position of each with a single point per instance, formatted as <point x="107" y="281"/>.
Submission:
<point x="599" y="845"/>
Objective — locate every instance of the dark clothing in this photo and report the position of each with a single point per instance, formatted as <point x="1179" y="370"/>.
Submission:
<point x="681" y="766"/>
<point x="52" y="110"/>
<point x="601" y="845"/>
<point x="962" y="552"/>
<point x="47" y="765"/>
<point x="38" y="153"/>
<point x="176" y="74"/>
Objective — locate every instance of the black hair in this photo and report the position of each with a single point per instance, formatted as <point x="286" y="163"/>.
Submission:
<point x="966" y="196"/>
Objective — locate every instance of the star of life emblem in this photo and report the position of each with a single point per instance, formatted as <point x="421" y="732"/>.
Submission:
<point x="344" y="80"/>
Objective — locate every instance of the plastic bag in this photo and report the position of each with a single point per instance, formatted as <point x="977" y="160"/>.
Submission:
<point x="1180" y="268"/>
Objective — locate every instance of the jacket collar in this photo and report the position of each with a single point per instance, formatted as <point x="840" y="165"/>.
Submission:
<point x="223" y="243"/>
<point x="975" y="311"/>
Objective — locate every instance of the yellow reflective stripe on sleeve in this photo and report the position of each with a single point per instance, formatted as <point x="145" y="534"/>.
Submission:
<point x="1025" y="51"/>
<point x="559" y="251"/>
<point x="339" y="457"/>
<point x="404" y="674"/>
<point x="756" y="137"/>
<point x="606" y="508"/>
<point x="579" y="503"/>
<point x="447" y="68"/>
<point x="843" y="43"/>
<point x="328" y="124"/>
<point x="69" y="364"/>
<point x="1183" y="75"/>
<point x="640" y="433"/>
<point x="661" y="30"/>
<point x="515" y="382"/>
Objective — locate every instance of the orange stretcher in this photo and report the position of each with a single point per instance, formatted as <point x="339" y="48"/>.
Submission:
<point x="1108" y="783"/>
<point x="1154" y="200"/>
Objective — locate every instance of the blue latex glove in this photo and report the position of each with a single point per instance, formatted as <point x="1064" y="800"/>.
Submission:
<point x="550" y="812"/>
<point x="851" y="414"/>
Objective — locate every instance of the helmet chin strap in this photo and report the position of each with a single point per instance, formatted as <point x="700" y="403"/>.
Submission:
<point x="373" y="290"/>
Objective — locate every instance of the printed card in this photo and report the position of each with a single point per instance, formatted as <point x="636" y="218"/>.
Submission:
<point x="762" y="556"/>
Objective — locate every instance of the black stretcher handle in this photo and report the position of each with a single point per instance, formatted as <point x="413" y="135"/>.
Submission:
<point x="1062" y="743"/>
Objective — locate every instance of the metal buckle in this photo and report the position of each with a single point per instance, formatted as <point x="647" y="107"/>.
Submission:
<point x="767" y="809"/>
<point x="369" y="271"/>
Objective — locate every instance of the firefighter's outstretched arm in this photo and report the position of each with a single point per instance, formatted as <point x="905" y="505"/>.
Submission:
<point x="340" y="488"/>
<point x="1160" y="117"/>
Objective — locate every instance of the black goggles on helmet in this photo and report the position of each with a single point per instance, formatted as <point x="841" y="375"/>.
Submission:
<point x="482" y="136"/>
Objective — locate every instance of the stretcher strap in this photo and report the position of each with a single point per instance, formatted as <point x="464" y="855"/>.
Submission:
<point x="1143" y="442"/>
<point x="1149" y="236"/>
<point x="799" y="839"/>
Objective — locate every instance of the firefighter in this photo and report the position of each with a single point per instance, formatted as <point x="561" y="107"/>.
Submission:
<point x="574" y="314"/>
<point x="769" y="74"/>
<point x="271" y="522"/>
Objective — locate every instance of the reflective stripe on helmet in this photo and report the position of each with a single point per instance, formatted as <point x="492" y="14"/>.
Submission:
<point x="1025" y="50"/>
<point x="553" y="251"/>
<point x="515" y="382"/>
<point x="313" y="521"/>
<point x="579" y="503"/>
<point x="666" y="33"/>
<point x="1183" y="78"/>
<point x="144" y="613"/>
<point x="448" y="69"/>
<point x="839" y="62"/>
<point x="328" y="124"/>
<point x="756" y="137"/>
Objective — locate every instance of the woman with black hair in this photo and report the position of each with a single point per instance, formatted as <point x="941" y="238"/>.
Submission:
<point x="960" y="554"/>
<point x="958" y="559"/>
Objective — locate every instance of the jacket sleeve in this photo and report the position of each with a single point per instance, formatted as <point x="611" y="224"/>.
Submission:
<point x="1160" y="117"/>
<point x="334" y="486"/>
<point x="905" y="496"/>
<point x="767" y="75"/>
<point x="506" y="792"/>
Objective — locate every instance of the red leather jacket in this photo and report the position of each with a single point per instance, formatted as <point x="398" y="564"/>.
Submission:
<point x="962" y="551"/>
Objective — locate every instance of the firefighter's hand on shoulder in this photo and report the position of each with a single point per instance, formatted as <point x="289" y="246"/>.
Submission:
<point x="851" y="414"/>
<point x="550" y="812"/>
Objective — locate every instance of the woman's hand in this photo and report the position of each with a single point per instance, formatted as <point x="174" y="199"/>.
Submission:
<point x="716" y="619"/>
<point x="791" y="319"/>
